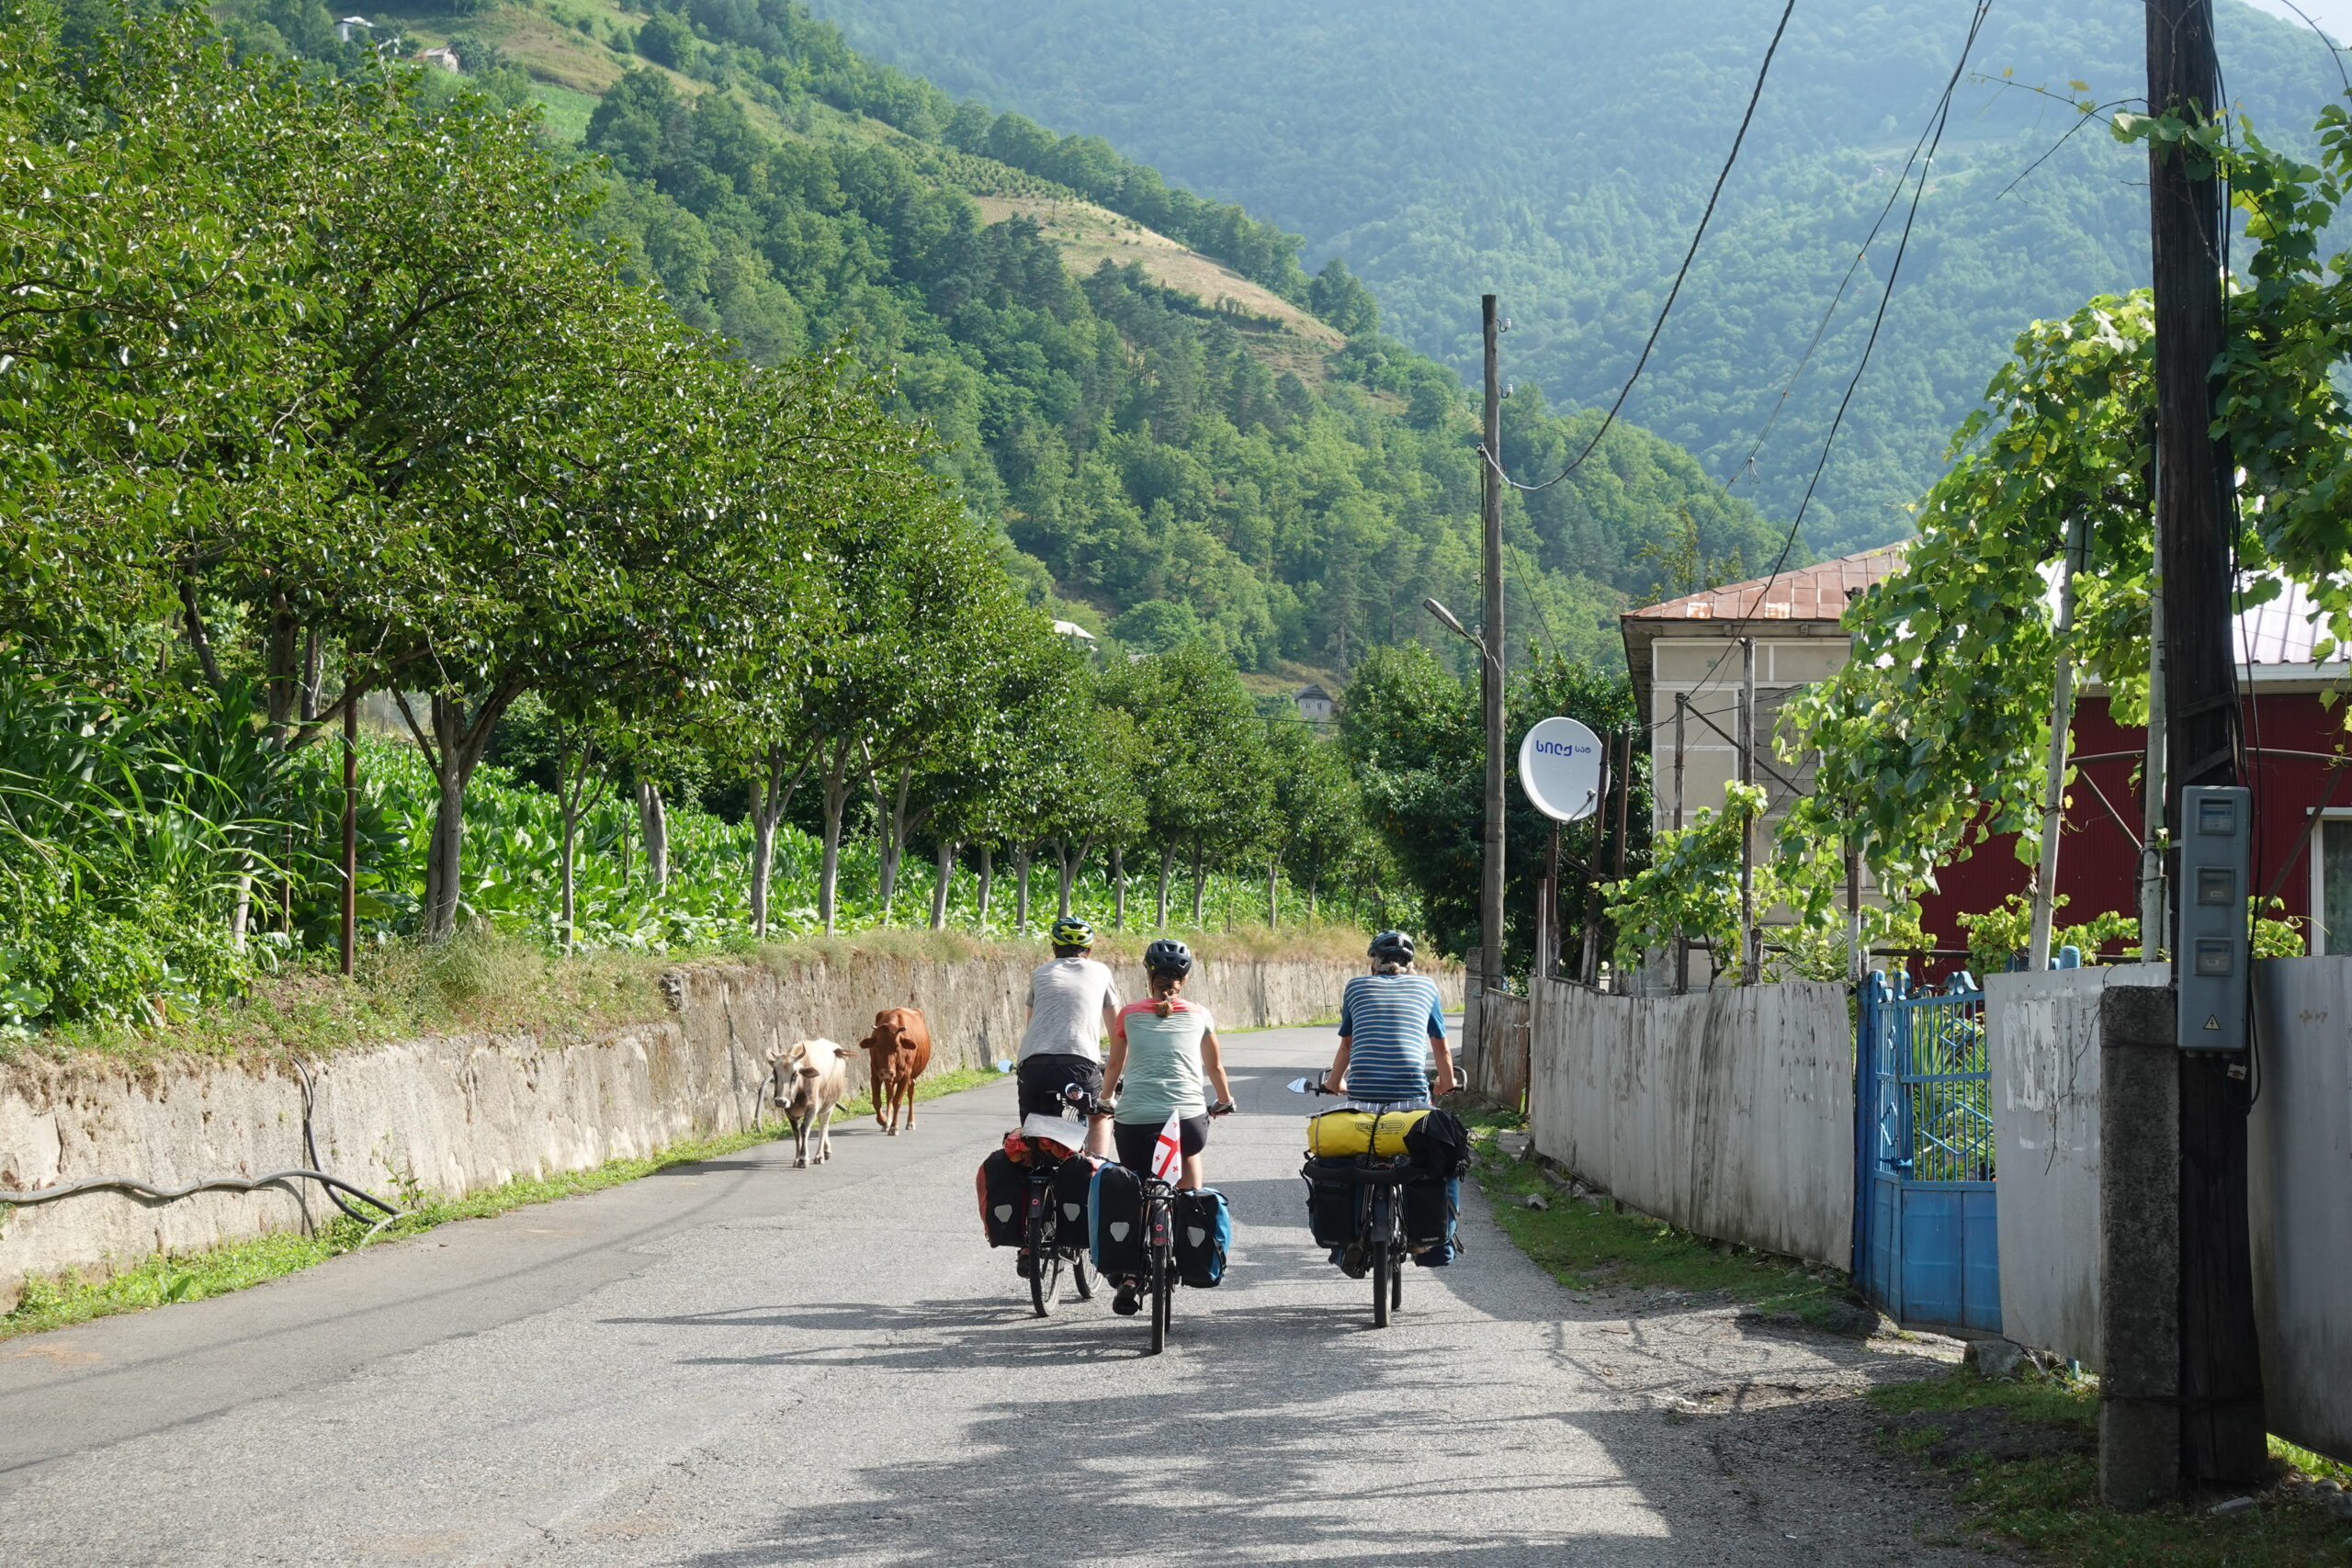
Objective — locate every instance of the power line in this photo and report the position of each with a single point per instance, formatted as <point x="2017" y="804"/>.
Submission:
<point x="1931" y="138"/>
<point x="1886" y="296"/>
<point x="1666" y="310"/>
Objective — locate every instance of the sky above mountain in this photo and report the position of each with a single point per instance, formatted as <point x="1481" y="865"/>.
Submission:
<point x="2336" y="16"/>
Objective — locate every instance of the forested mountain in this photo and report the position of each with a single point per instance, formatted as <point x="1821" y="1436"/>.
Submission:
<point x="1560" y="154"/>
<point x="1170" y="443"/>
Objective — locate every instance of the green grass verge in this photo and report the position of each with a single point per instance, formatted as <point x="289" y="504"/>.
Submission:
<point x="162" y="1279"/>
<point x="2048" y="1503"/>
<point x="1586" y="1247"/>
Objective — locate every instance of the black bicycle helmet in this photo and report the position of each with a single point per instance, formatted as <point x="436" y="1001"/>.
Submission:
<point x="1168" y="956"/>
<point x="1392" y="947"/>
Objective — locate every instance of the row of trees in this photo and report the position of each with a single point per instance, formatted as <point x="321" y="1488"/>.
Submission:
<point x="310" y="388"/>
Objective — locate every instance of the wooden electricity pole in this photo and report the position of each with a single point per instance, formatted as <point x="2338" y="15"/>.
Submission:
<point x="2221" y="1428"/>
<point x="1490" y="878"/>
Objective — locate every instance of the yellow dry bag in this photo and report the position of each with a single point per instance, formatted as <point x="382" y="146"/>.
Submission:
<point x="1339" y="1133"/>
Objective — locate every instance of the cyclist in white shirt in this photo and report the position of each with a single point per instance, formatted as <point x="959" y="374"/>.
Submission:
<point x="1073" y="1002"/>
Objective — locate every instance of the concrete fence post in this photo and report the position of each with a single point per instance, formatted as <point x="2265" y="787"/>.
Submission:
<point x="2139" y="1260"/>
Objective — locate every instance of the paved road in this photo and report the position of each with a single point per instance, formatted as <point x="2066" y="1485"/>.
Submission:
<point x="739" y="1363"/>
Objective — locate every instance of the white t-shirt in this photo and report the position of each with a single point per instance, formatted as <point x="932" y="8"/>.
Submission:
<point x="1065" y="999"/>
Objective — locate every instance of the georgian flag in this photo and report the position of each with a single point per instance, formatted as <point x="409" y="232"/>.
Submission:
<point x="1167" y="1155"/>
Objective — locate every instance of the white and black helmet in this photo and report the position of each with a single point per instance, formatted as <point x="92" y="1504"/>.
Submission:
<point x="1392" y="947"/>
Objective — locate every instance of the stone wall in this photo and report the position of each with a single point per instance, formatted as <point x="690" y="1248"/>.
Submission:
<point x="456" y="1114"/>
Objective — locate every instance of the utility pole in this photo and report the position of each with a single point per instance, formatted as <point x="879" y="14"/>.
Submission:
<point x="1681" y="942"/>
<point x="1749" y="947"/>
<point x="1491" y="882"/>
<point x="2222" y="1426"/>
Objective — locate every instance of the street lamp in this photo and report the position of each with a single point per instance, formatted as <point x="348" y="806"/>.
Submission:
<point x="1445" y="618"/>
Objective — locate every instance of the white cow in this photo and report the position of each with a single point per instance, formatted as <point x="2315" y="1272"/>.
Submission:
<point x="808" y="1080"/>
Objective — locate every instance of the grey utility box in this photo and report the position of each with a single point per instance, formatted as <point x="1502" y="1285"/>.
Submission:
<point x="2212" y="959"/>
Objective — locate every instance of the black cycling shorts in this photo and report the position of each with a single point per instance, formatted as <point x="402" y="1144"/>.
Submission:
<point x="1043" y="1077"/>
<point x="1135" y="1139"/>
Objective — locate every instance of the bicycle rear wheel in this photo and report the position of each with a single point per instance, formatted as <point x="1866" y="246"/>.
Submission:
<point x="1384" y="1273"/>
<point x="1080" y="1281"/>
<point x="1045" y="1282"/>
<point x="1163" y="1292"/>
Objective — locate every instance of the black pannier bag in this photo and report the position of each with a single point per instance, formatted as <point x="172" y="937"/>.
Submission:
<point x="1203" y="1232"/>
<point x="1431" y="1208"/>
<point x="1114" y="1220"/>
<point x="1004" y="1199"/>
<point x="1073" y="1190"/>
<point x="1333" y="1201"/>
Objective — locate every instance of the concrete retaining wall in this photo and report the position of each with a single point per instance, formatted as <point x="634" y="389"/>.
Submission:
<point x="1728" y="1112"/>
<point x="457" y="1114"/>
<point x="2045" y="1061"/>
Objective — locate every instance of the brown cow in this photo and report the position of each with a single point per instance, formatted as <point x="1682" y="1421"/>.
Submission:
<point x="808" y="1080"/>
<point x="898" y="1049"/>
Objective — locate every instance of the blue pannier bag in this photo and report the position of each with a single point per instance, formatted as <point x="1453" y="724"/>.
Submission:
<point x="1203" y="1232"/>
<point x="1114" y="1221"/>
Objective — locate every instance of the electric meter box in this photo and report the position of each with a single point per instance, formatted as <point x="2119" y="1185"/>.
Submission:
<point x="2210" y="965"/>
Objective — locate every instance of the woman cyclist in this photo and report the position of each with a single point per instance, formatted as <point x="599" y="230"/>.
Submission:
<point x="1164" y="1058"/>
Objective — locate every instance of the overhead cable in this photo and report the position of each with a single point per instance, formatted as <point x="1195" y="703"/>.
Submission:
<point x="1666" y="310"/>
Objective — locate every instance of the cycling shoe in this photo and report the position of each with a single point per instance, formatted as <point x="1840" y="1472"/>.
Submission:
<point x="1126" y="1304"/>
<point x="1351" y="1261"/>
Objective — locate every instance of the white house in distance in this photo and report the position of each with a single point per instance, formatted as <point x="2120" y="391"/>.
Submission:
<point x="350" y="26"/>
<point x="1690" y="648"/>
<point x="1315" y="704"/>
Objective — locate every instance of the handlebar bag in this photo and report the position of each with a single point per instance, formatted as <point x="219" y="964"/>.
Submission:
<point x="1073" y="1197"/>
<point x="1334" y="1206"/>
<point x="1004" y="1199"/>
<point x="1337" y="1134"/>
<point x="1203" y="1232"/>
<point x="1114" y="1220"/>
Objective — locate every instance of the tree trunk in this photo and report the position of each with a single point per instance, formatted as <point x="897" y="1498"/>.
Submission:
<point x="570" y="909"/>
<point x="1021" y="889"/>
<point x="313" y="674"/>
<point x="771" y="797"/>
<point x="1062" y="852"/>
<point x="836" y="806"/>
<point x="1273" y="881"/>
<point x="945" y="879"/>
<point x="892" y="831"/>
<point x="283" y="676"/>
<point x="653" y="820"/>
<point x="987" y="881"/>
<point x="1200" y="880"/>
<point x="1167" y="869"/>
<point x="1313" y="878"/>
<point x="1118" y="888"/>
<point x="452" y="751"/>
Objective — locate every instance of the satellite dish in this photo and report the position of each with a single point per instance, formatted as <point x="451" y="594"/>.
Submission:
<point x="1559" y="769"/>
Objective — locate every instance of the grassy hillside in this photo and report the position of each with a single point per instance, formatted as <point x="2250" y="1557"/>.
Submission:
<point x="1560" y="154"/>
<point x="1180" y="432"/>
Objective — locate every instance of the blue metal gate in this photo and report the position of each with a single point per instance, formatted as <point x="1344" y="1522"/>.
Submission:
<point x="1925" y="1217"/>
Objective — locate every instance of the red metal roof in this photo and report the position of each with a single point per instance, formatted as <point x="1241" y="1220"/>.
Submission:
<point x="1816" y="592"/>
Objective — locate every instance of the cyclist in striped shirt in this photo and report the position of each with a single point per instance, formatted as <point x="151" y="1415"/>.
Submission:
<point x="1392" y="1022"/>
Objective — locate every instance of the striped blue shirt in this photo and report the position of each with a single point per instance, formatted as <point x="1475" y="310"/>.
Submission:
<point x="1387" y="1020"/>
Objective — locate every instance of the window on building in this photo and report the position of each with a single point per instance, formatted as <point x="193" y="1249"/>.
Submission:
<point x="2333" y="898"/>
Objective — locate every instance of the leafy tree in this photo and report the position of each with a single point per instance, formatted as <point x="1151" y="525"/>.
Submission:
<point x="1412" y="732"/>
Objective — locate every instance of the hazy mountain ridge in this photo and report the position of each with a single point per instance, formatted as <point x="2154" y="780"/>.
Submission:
<point x="1560" y="154"/>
